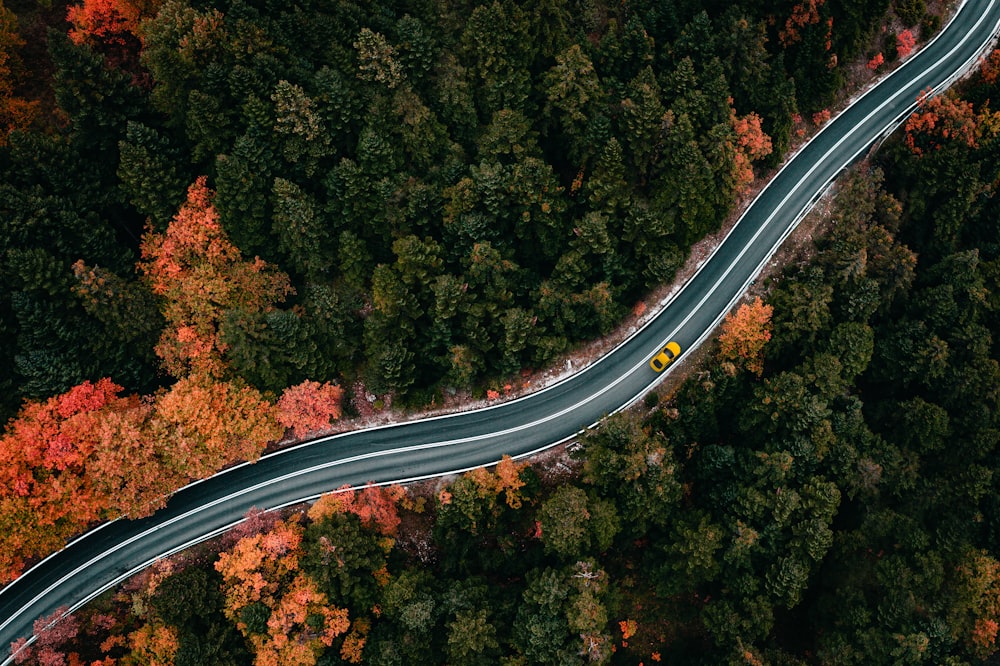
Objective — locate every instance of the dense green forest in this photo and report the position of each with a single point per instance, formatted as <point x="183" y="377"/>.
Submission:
<point x="490" y="183"/>
<point x="826" y="497"/>
<point x="224" y="223"/>
<point x="212" y="203"/>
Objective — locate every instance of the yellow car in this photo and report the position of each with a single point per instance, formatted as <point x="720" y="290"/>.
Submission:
<point x="669" y="352"/>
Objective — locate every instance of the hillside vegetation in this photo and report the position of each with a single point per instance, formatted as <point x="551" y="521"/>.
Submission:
<point x="220" y="216"/>
<point x="821" y="491"/>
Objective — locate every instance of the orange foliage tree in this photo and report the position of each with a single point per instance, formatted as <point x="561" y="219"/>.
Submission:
<point x="258" y="567"/>
<point x="107" y="21"/>
<point x="505" y="478"/>
<point x="209" y="424"/>
<point x="131" y="463"/>
<point x="309" y="406"/>
<point x="263" y="570"/>
<point x="91" y="454"/>
<point x="509" y="482"/>
<point x="941" y="119"/>
<point x="15" y="113"/>
<point x="201" y="275"/>
<point x="301" y="625"/>
<point x="354" y="643"/>
<point x="821" y="117"/>
<point x="376" y="506"/>
<point x="153" y="645"/>
<point x="744" y="334"/>
<point x="989" y="67"/>
<point x="752" y="144"/>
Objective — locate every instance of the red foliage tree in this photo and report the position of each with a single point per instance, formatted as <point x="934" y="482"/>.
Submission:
<point x="821" y="117"/>
<point x="744" y="334"/>
<point x="131" y="460"/>
<point x="876" y="62"/>
<point x="52" y="633"/>
<point x="45" y="493"/>
<point x="112" y="27"/>
<point x="91" y="454"/>
<point x="905" y="43"/>
<point x="201" y="275"/>
<point x="309" y="406"/>
<point x="975" y="608"/>
<point x="752" y="144"/>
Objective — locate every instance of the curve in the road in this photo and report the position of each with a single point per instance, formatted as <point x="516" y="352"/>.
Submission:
<point x="452" y="443"/>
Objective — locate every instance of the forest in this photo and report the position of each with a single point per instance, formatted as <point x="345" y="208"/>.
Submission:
<point x="231" y="217"/>
<point x="819" y="491"/>
<point x="220" y="221"/>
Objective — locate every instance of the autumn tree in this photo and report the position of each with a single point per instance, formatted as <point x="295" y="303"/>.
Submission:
<point x="744" y="334"/>
<point x="152" y="644"/>
<point x="210" y="423"/>
<point x="275" y="604"/>
<point x="940" y="119"/>
<point x="107" y="21"/>
<point x="309" y="406"/>
<point x="803" y="14"/>
<point x="200" y="276"/>
<point x="255" y="568"/>
<point x="47" y="495"/>
<point x="752" y="144"/>
<point x="133" y="462"/>
<point x="16" y="113"/>
<point x="91" y="454"/>
<point x="376" y="506"/>
<point x="51" y="633"/>
<point x="989" y="67"/>
<point x="904" y="44"/>
<point x="975" y="610"/>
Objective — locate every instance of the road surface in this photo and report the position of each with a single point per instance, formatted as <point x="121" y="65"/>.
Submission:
<point x="419" y="449"/>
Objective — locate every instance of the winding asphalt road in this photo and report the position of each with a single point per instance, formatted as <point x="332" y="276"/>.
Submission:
<point x="409" y="451"/>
